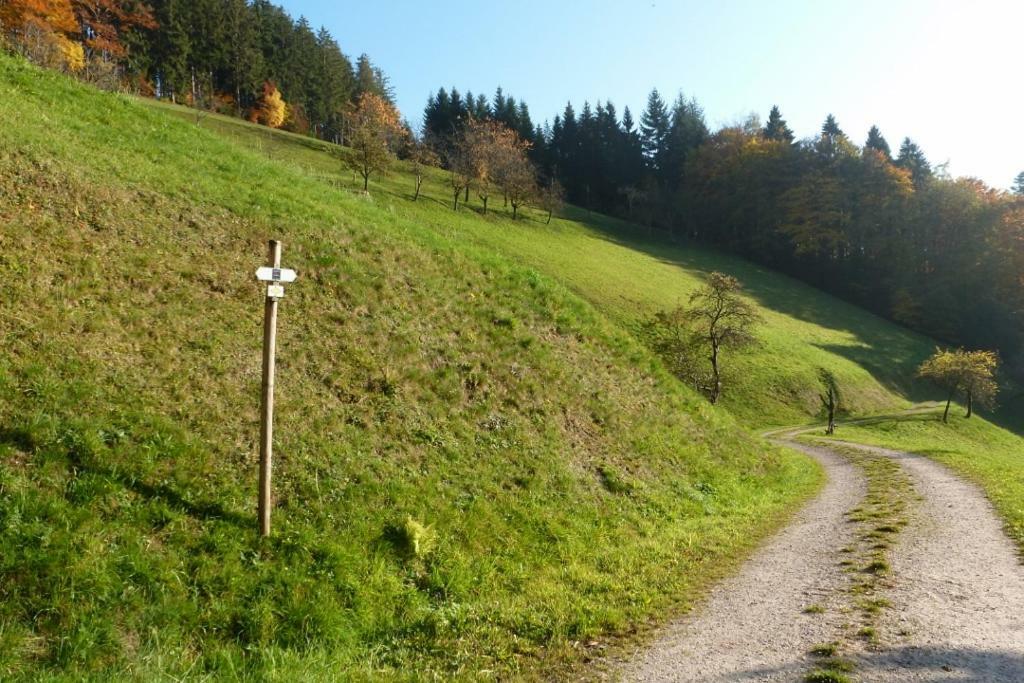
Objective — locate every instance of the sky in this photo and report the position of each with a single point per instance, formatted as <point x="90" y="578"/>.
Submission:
<point x="948" y="74"/>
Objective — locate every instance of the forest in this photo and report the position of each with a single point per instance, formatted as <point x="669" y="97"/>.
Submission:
<point x="236" y="57"/>
<point x="874" y="223"/>
<point x="877" y="226"/>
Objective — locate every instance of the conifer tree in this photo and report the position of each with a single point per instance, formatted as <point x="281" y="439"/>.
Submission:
<point x="654" y="127"/>
<point x="1018" y="185"/>
<point x="877" y="142"/>
<point x="777" y="129"/>
<point x="913" y="159"/>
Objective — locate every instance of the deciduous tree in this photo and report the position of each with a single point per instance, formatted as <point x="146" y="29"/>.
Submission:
<point x="271" y="110"/>
<point x="552" y="197"/>
<point x="971" y="373"/>
<point x="722" y="319"/>
<point x="830" y="398"/>
<point x="421" y="157"/>
<point x="375" y="131"/>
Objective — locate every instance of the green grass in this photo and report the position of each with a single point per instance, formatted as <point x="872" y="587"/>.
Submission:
<point x="476" y="469"/>
<point x="988" y="455"/>
<point x="478" y="466"/>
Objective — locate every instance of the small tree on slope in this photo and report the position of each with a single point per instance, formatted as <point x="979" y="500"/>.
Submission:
<point x="969" y="372"/>
<point x="830" y="398"/>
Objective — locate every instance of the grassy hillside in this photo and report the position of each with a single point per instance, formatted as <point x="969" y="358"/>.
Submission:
<point x="569" y="487"/>
<point x="629" y="276"/>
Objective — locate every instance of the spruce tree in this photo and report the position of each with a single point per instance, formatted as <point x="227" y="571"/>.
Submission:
<point x="1018" y="185"/>
<point x="876" y="141"/>
<point x="654" y="126"/>
<point x="777" y="128"/>
<point x="912" y="158"/>
<point x="687" y="132"/>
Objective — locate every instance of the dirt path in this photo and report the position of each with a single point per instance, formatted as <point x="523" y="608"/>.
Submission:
<point x="956" y="589"/>
<point x="752" y="626"/>
<point x="958" y="597"/>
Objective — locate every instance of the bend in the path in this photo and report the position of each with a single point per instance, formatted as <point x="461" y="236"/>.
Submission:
<point x="958" y="598"/>
<point x="752" y="626"/>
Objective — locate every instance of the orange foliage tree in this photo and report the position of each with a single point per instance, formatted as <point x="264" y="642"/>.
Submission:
<point x="52" y="15"/>
<point x="496" y="155"/>
<point x="375" y="132"/>
<point x="42" y="30"/>
<point x="271" y="110"/>
<point x="105" y="23"/>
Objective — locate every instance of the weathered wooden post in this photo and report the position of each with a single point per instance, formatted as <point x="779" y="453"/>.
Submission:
<point x="275" y="275"/>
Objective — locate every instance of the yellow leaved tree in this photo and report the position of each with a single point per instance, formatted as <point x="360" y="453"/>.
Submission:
<point x="374" y="133"/>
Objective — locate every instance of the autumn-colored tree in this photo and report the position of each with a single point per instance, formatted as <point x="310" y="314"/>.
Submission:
<point x="52" y="15"/>
<point x="375" y="130"/>
<point x="106" y="24"/>
<point x="459" y="160"/>
<point x="271" y="110"/>
<point x="43" y="30"/>
<point x="421" y="157"/>
<point x="483" y="140"/>
<point x="969" y="372"/>
<point x="519" y="180"/>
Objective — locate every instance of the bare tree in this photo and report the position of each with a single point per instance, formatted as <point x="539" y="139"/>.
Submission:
<point x="460" y="169"/>
<point x="830" y="398"/>
<point x="718" y="318"/>
<point x="722" y="319"/>
<point x="421" y="157"/>
<point x="552" y="197"/>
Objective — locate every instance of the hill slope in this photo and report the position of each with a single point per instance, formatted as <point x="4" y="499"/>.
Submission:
<point x="628" y="276"/>
<point x="570" y="486"/>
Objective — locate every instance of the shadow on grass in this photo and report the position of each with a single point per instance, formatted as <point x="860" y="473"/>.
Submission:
<point x="202" y="510"/>
<point x="900" y="347"/>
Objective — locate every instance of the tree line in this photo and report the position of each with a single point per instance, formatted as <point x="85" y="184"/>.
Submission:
<point x="878" y="226"/>
<point x="245" y="58"/>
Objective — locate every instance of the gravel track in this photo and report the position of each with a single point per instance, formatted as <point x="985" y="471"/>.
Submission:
<point x="956" y="589"/>
<point x="958" y="597"/>
<point x="752" y="627"/>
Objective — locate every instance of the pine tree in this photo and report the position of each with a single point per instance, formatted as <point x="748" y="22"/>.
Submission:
<point x="654" y="127"/>
<point x="833" y="144"/>
<point x="370" y="79"/>
<point x="830" y="128"/>
<point x="687" y="132"/>
<point x="777" y="128"/>
<point x="877" y="142"/>
<point x="481" y="109"/>
<point x="171" y="50"/>
<point x="1018" y="185"/>
<point x="912" y="158"/>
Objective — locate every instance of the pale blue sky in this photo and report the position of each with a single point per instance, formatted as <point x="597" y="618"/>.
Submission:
<point x="948" y="74"/>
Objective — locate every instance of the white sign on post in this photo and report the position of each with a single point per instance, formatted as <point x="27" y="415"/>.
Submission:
<point x="269" y="274"/>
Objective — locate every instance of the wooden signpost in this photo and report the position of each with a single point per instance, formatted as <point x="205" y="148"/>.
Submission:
<point x="275" y="275"/>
